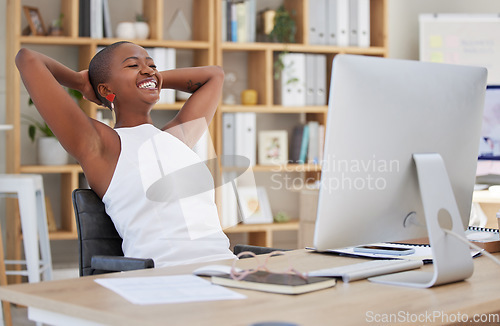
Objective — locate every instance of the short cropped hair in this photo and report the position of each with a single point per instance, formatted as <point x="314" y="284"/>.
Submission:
<point x="99" y="69"/>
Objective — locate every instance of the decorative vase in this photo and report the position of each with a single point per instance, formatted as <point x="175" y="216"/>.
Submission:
<point x="51" y="152"/>
<point x="126" y="30"/>
<point x="141" y="30"/>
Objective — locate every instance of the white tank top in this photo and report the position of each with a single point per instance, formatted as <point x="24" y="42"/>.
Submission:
<point x="161" y="200"/>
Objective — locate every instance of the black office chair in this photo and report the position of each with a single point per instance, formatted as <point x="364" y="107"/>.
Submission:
<point x="100" y="245"/>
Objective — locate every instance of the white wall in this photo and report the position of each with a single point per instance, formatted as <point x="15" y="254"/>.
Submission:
<point x="403" y="20"/>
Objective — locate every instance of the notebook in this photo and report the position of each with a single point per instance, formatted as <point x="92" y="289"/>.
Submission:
<point x="276" y="283"/>
<point x="488" y="239"/>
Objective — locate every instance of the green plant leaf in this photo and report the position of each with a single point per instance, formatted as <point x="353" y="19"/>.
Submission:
<point x="31" y="132"/>
<point x="75" y="94"/>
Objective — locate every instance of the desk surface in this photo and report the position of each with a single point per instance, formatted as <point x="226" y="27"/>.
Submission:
<point x="346" y="304"/>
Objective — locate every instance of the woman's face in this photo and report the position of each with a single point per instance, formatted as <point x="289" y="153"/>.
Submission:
<point x="134" y="78"/>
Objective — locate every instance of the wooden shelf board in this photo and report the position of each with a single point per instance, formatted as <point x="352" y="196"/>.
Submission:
<point x="195" y="45"/>
<point x="55" y="40"/>
<point x="269" y="227"/>
<point x="275" y="109"/>
<point x="70" y="168"/>
<point x="64" y="40"/>
<point x="259" y="46"/>
<point x="279" y="168"/>
<point x="169" y="106"/>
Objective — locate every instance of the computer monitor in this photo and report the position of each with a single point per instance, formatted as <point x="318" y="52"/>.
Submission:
<point x="382" y="112"/>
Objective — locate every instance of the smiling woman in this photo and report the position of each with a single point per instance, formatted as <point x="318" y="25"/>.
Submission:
<point x="124" y="78"/>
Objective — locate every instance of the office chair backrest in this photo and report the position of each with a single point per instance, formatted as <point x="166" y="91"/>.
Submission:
<point x="96" y="232"/>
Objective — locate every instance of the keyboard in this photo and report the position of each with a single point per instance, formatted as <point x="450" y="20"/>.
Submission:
<point x="367" y="269"/>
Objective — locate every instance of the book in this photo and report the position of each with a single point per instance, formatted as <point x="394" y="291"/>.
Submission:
<point x="313" y="147"/>
<point x="241" y="22"/>
<point x="276" y="283"/>
<point x="108" y="32"/>
<point x="486" y="238"/>
<point x="422" y="252"/>
<point x="304" y="145"/>
<point x="84" y="18"/>
<point x="296" y="144"/>
<point x="96" y="19"/>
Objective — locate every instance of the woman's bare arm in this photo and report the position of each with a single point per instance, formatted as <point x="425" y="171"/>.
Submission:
<point x="205" y="84"/>
<point x="88" y="140"/>
<point x="43" y="77"/>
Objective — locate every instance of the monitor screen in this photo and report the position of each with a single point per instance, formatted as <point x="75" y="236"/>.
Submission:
<point x="381" y="112"/>
<point x="489" y="147"/>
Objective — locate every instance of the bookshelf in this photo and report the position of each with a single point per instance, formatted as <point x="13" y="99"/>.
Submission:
<point x="258" y="67"/>
<point x="206" y="48"/>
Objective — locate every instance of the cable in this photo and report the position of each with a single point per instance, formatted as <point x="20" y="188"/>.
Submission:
<point x="470" y="244"/>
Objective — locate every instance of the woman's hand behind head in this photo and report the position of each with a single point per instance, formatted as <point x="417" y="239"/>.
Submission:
<point x="87" y="90"/>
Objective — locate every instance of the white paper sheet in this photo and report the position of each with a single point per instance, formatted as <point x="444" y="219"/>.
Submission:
<point x="167" y="289"/>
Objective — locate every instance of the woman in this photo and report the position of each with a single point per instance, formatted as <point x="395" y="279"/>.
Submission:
<point x="127" y="166"/>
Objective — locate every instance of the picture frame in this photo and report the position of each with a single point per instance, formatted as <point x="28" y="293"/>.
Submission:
<point x="254" y="205"/>
<point x="273" y="147"/>
<point x="35" y="20"/>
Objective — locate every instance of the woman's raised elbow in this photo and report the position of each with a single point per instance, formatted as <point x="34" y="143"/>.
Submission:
<point x="217" y="71"/>
<point x="23" y="56"/>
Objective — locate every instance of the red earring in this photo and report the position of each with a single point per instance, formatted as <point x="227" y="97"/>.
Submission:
<point x="111" y="97"/>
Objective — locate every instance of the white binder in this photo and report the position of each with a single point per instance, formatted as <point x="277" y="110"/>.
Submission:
<point x="96" y="19"/>
<point x="317" y="22"/>
<point x="342" y="22"/>
<point x="228" y="139"/>
<point x="164" y="59"/>
<point x="331" y="22"/>
<point x="320" y="86"/>
<point x="353" y="22"/>
<point x="310" y="79"/>
<point x="246" y="136"/>
<point x="364" y="23"/>
<point x="315" y="79"/>
<point x="291" y="88"/>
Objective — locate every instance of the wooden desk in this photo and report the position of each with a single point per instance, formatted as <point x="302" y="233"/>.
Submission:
<point x="353" y="303"/>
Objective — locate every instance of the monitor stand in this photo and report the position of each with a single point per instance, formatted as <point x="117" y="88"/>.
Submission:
<point x="452" y="259"/>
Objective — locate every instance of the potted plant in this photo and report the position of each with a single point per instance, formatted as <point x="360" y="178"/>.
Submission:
<point x="283" y="32"/>
<point x="49" y="150"/>
<point x="56" y="27"/>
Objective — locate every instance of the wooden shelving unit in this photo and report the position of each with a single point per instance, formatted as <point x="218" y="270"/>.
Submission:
<point x="259" y="66"/>
<point x="202" y="47"/>
<point x="208" y="49"/>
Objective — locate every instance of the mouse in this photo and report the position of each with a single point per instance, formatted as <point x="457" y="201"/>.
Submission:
<point x="213" y="270"/>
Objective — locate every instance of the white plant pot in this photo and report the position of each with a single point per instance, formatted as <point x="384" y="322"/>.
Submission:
<point x="125" y="30"/>
<point x="51" y="152"/>
<point x="141" y="30"/>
